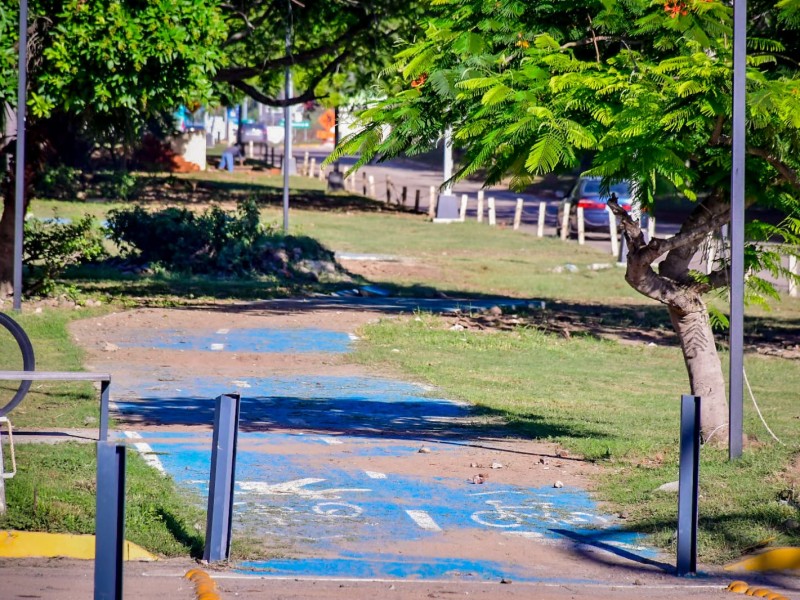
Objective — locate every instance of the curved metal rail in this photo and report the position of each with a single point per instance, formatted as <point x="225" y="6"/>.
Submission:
<point x="28" y="360"/>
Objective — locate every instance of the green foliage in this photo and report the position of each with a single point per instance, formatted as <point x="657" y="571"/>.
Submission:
<point x="113" y="63"/>
<point x="213" y="241"/>
<point x="60" y="182"/>
<point x="644" y="86"/>
<point x="52" y="246"/>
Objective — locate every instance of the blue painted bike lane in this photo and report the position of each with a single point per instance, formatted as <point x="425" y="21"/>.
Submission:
<point x="306" y="483"/>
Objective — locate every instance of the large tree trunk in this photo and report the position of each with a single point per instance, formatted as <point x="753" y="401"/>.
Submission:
<point x="704" y="369"/>
<point x="675" y="287"/>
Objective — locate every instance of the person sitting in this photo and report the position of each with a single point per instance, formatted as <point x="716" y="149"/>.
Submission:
<point x="228" y="157"/>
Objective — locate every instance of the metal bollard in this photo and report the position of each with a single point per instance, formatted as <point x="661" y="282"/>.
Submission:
<point x="110" y="521"/>
<point x="223" y="469"/>
<point x="688" y="485"/>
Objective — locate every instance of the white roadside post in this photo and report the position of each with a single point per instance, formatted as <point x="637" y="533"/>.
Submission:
<point x="518" y="213"/>
<point x="480" y="206"/>
<point x="462" y="213"/>
<point x="612" y="231"/>
<point x="540" y="220"/>
<point x="581" y="227"/>
<point x="492" y="212"/>
<point x="565" y="221"/>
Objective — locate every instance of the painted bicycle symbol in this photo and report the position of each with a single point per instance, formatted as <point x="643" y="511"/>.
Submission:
<point x="531" y="514"/>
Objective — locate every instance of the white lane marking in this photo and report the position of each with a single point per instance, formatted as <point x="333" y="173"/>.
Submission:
<point x="240" y="383"/>
<point x="339" y="510"/>
<point x="531" y="535"/>
<point x="330" y="440"/>
<point x="146" y="451"/>
<point x="297" y="487"/>
<point x="423" y="519"/>
<point x="375" y="475"/>
<point x="223" y="331"/>
<point x="217" y="346"/>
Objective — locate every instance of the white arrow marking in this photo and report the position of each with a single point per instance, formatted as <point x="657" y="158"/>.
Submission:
<point x="297" y="488"/>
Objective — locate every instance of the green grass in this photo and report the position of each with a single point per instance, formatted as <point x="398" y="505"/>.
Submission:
<point x="617" y="404"/>
<point x="54" y="491"/>
<point x="612" y="402"/>
<point x="50" y="404"/>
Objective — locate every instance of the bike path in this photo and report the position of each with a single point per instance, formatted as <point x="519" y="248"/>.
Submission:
<point x="331" y="474"/>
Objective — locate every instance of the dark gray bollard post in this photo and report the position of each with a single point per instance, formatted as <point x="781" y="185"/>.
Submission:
<point x="223" y="468"/>
<point x="688" y="485"/>
<point x="110" y="523"/>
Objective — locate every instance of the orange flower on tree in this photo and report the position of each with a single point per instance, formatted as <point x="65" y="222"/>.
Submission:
<point x="419" y="81"/>
<point x="675" y="8"/>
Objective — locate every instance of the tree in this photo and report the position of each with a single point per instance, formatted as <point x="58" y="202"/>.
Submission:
<point x="103" y="67"/>
<point x="338" y="47"/>
<point x="645" y="86"/>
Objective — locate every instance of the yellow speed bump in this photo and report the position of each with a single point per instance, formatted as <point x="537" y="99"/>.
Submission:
<point x="738" y="587"/>
<point x="33" y="544"/>
<point x="779" y="559"/>
<point x="205" y="588"/>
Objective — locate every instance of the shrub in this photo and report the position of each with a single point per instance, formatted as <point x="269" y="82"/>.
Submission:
<point x="54" y="245"/>
<point x="60" y="182"/>
<point x="212" y="242"/>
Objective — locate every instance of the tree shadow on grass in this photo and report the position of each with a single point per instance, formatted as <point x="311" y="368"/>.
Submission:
<point x="192" y="540"/>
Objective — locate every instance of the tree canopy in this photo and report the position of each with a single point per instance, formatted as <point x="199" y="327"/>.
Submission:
<point x="338" y="46"/>
<point x="112" y="63"/>
<point x="644" y="88"/>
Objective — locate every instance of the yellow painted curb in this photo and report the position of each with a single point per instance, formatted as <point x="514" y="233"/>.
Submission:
<point x="779" y="559"/>
<point x="205" y="588"/>
<point x="30" y="544"/>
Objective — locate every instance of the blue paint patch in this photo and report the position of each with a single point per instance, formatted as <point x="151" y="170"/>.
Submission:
<point x="322" y="509"/>
<point x="378" y="566"/>
<point x="288" y="341"/>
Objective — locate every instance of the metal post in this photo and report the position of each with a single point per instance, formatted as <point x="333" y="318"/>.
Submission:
<point x="737" y="231"/>
<point x="105" y="386"/>
<point x="2" y="478"/>
<point x="110" y="523"/>
<point x="19" y="198"/>
<point x="688" y="484"/>
<point x="288" y="163"/>
<point x="223" y="468"/>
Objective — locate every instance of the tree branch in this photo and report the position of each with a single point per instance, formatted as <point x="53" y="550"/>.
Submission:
<point x="592" y="40"/>
<point x="789" y="175"/>
<point x="238" y="73"/>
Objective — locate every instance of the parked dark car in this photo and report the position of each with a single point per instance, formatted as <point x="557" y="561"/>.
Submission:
<point x="587" y="195"/>
<point x="254" y="132"/>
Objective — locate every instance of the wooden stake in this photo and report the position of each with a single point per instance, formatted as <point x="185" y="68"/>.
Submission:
<point x="793" y="271"/>
<point x="312" y="168"/>
<point x="416" y="201"/>
<point x="518" y="213"/>
<point x="612" y="231"/>
<point x="432" y="202"/>
<point x="540" y="220"/>
<point x="462" y="213"/>
<point x="565" y="221"/>
<point x="371" y="180"/>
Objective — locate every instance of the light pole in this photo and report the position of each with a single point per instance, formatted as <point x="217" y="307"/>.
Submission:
<point x="288" y="161"/>
<point x="19" y="198"/>
<point x="737" y="231"/>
